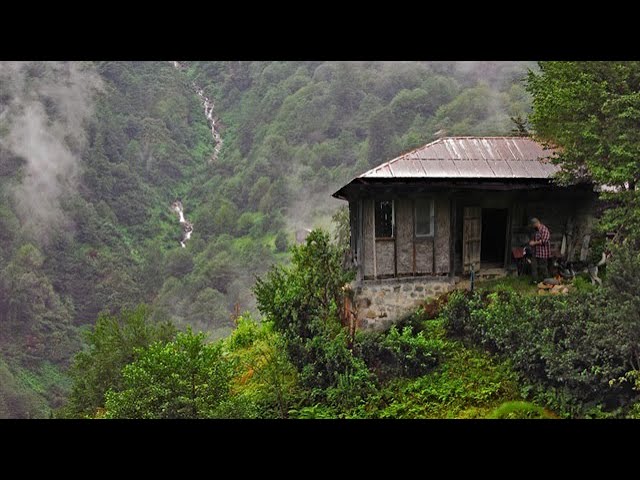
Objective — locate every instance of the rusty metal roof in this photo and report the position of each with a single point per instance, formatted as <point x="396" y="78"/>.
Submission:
<point x="471" y="157"/>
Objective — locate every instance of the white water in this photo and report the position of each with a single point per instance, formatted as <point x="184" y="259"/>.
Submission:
<point x="187" y="226"/>
<point x="208" y="113"/>
<point x="207" y="103"/>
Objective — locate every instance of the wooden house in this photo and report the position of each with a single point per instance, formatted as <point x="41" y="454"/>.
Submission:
<point x="459" y="203"/>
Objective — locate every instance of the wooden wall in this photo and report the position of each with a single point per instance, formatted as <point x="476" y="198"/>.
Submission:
<point x="442" y="234"/>
<point x="407" y="255"/>
<point x="367" y="234"/>
<point x="404" y="235"/>
<point x="385" y="261"/>
<point x="564" y="212"/>
<point x="424" y="255"/>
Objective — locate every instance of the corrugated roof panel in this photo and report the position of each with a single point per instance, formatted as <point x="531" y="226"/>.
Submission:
<point x="500" y="168"/>
<point x="504" y="152"/>
<point x="437" y="152"/>
<point x="536" y="169"/>
<point x="471" y="157"/>
<point x="519" y="169"/>
<point x="549" y="167"/>
<point x="408" y="168"/>
<point x="473" y="168"/>
<point x="441" y="168"/>
<point x="468" y="151"/>
<point x="477" y="146"/>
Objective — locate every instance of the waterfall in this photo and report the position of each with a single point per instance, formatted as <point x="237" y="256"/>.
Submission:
<point x="187" y="226"/>
<point x="208" y="105"/>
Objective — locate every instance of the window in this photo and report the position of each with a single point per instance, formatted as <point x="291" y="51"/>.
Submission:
<point x="424" y="217"/>
<point x="384" y="218"/>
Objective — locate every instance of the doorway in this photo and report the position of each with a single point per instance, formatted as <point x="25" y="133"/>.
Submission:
<point x="494" y="233"/>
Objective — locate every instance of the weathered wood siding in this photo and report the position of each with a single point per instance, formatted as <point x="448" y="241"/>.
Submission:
<point x="442" y="234"/>
<point x="385" y="257"/>
<point x="424" y="255"/>
<point x="404" y="235"/>
<point x="367" y="255"/>
<point x="564" y="212"/>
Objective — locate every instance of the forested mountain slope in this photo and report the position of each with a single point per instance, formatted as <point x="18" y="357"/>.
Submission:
<point x="92" y="155"/>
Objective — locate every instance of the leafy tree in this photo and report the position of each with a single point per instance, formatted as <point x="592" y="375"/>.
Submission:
<point x="308" y="293"/>
<point x="185" y="378"/>
<point x="302" y="302"/>
<point x="591" y="111"/>
<point x="111" y="345"/>
<point x="179" y="263"/>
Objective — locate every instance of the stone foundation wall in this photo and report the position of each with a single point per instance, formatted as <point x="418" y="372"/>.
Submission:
<point x="380" y="303"/>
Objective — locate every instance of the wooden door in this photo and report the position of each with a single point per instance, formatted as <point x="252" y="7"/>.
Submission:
<point x="471" y="235"/>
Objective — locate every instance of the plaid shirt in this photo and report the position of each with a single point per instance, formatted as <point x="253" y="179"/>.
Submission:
<point x="544" y="249"/>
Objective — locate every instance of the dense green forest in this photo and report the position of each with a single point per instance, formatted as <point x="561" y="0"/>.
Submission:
<point x="93" y="154"/>
<point x="101" y="308"/>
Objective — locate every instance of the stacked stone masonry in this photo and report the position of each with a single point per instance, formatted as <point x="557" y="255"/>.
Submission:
<point x="381" y="303"/>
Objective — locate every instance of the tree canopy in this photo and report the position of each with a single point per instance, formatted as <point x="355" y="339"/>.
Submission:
<point x="591" y="111"/>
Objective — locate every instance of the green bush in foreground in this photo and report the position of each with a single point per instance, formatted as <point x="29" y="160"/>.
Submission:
<point x="569" y="350"/>
<point x="186" y="378"/>
<point x="513" y="410"/>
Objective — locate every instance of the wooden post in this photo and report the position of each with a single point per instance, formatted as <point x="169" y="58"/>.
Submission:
<point x="395" y="239"/>
<point x="360" y="240"/>
<point x="507" y="240"/>
<point x="452" y="239"/>
<point x="413" y="233"/>
<point x="373" y="224"/>
<point x="433" y="237"/>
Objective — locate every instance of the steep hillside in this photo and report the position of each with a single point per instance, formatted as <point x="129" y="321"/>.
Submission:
<point x="93" y="155"/>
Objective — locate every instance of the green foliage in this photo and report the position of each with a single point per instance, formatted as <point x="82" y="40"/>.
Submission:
<point x="591" y="110"/>
<point x="514" y="410"/>
<point x="33" y="314"/>
<point x="184" y="378"/>
<point x="292" y="131"/>
<point x="302" y="302"/>
<point x="567" y="349"/>
<point x="179" y="263"/>
<point x="264" y="378"/>
<point x="303" y="298"/>
<point x="111" y="344"/>
<point x="281" y="242"/>
<point x="399" y="353"/>
<point x="467" y="383"/>
<point x="23" y="394"/>
<point x="583" y="285"/>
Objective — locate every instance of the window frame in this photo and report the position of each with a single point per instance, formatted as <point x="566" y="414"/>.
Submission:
<point x="432" y="217"/>
<point x="393" y="218"/>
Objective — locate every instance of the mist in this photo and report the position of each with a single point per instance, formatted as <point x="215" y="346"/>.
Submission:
<point x="486" y="84"/>
<point x="43" y="123"/>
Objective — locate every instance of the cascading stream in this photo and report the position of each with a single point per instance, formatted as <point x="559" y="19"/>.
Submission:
<point x="187" y="226"/>
<point x="208" y="105"/>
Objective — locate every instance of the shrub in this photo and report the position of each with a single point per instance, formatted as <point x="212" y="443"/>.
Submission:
<point x="332" y="372"/>
<point x="566" y="348"/>
<point x="301" y="302"/>
<point x="398" y="353"/>
<point x="512" y="410"/>
<point x="264" y="377"/>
